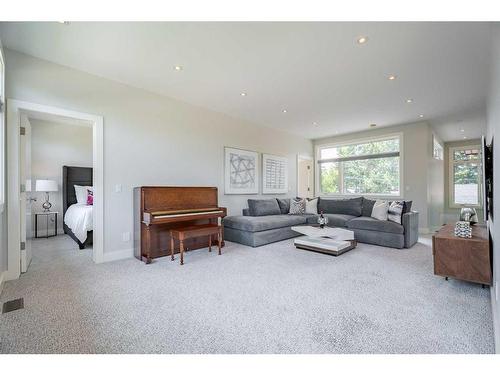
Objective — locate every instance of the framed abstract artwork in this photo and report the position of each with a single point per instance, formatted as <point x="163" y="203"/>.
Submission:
<point x="274" y="174"/>
<point x="241" y="175"/>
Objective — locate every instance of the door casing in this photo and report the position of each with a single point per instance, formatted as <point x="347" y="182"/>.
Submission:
<point x="15" y="108"/>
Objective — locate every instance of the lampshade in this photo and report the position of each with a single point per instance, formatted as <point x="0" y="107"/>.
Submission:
<point x="46" y="185"/>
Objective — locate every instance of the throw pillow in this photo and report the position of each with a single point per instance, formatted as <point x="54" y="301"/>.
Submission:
<point x="312" y="206"/>
<point x="263" y="207"/>
<point x="395" y="211"/>
<point x="297" y="206"/>
<point x="284" y="205"/>
<point x="380" y="210"/>
<point x="367" y="207"/>
<point x="90" y="197"/>
<point x="407" y="206"/>
<point x="81" y="193"/>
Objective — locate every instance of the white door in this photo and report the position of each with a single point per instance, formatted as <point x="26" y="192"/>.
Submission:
<point x="305" y="177"/>
<point x="26" y="191"/>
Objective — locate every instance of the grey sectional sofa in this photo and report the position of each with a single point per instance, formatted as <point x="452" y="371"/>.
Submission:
<point x="266" y="221"/>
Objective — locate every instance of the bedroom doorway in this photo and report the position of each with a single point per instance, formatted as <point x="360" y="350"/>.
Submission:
<point x="52" y="150"/>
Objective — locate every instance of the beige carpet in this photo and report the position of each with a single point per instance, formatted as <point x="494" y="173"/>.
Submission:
<point x="272" y="299"/>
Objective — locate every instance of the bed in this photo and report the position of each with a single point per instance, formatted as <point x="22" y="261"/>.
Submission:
<point x="77" y="218"/>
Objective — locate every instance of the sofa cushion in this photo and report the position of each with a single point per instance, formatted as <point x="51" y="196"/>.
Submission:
<point x="284" y="205"/>
<point x="338" y="220"/>
<point x="311" y="219"/>
<point x="350" y="206"/>
<point x="369" y="223"/>
<point x="263" y="207"/>
<point x="260" y="223"/>
<point x="367" y="207"/>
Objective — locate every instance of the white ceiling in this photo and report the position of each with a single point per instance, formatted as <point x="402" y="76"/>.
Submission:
<point x="316" y="71"/>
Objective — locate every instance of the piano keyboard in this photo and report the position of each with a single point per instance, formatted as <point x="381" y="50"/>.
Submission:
<point x="188" y="214"/>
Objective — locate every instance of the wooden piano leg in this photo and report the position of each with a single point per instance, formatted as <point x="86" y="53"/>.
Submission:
<point x="209" y="243"/>
<point x="182" y="251"/>
<point x="148" y="245"/>
<point x="219" y="240"/>
<point x="172" y="247"/>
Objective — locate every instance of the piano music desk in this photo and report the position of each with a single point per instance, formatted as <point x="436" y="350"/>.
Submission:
<point x="181" y="234"/>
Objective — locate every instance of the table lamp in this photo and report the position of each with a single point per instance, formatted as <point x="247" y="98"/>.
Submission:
<point x="46" y="186"/>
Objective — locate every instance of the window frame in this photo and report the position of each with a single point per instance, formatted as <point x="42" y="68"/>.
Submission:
<point x="355" y="141"/>
<point x="451" y="176"/>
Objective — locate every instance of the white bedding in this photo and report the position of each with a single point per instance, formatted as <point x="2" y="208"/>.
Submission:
<point x="79" y="219"/>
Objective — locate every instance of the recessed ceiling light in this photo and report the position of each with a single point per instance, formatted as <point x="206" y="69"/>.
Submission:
<point x="315" y="123"/>
<point x="462" y="130"/>
<point x="409" y="100"/>
<point x="373" y="125"/>
<point x="178" y="68"/>
<point x="465" y="137"/>
<point x="63" y="22"/>
<point x="243" y="94"/>
<point x="391" y="78"/>
<point x="362" y="39"/>
<point x="284" y="111"/>
<point x="421" y="116"/>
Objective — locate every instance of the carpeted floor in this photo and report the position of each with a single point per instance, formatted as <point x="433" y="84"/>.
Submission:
<point x="272" y="299"/>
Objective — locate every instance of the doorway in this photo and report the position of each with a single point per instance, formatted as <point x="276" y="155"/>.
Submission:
<point x="305" y="176"/>
<point x="21" y="187"/>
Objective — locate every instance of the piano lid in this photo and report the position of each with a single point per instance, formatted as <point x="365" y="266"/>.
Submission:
<point x="176" y="198"/>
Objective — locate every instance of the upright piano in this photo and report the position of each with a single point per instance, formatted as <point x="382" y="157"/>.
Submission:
<point x="157" y="209"/>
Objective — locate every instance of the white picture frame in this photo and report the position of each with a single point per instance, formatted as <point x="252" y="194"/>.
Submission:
<point x="274" y="174"/>
<point x="241" y="172"/>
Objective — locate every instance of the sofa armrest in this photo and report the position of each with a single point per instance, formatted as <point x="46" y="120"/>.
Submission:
<point x="410" y="225"/>
<point x="246" y="212"/>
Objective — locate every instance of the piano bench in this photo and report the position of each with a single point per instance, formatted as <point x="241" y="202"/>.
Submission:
<point x="182" y="234"/>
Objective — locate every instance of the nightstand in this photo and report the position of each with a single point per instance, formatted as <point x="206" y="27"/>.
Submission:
<point x="48" y="216"/>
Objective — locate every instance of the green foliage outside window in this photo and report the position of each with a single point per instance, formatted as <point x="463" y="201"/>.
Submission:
<point x="365" y="176"/>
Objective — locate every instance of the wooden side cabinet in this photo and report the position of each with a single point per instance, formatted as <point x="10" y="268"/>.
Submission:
<point x="466" y="259"/>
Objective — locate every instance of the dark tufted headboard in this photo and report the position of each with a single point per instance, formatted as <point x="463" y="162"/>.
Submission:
<point x="74" y="176"/>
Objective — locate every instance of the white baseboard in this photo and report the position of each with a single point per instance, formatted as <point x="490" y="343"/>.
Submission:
<point x="2" y="281"/>
<point x="117" y="255"/>
<point x="496" y="319"/>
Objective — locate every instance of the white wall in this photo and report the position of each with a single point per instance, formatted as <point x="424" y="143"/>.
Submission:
<point x="493" y="126"/>
<point x="148" y="139"/>
<point x="417" y="148"/>
<point x="53" y="145"/>
<point x="435" y="186"/>
<point x="3" y="214"/>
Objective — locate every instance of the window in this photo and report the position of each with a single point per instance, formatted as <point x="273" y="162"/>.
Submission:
<point x="371" y="167"/>
<point x="465" y="176"/>
<point x="437" y="152"/>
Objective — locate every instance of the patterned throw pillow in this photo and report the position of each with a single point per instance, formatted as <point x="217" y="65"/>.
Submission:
<point x="297" y="206"/>
<point x="90" y="197"/>
<point x="395" y="211"/>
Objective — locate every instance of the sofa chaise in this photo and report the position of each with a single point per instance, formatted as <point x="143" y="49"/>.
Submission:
<point x="267" y="221"/>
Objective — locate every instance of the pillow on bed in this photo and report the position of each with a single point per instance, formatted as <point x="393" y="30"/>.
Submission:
<point x="81" y="193"/>
<point x="90" y="197"/>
